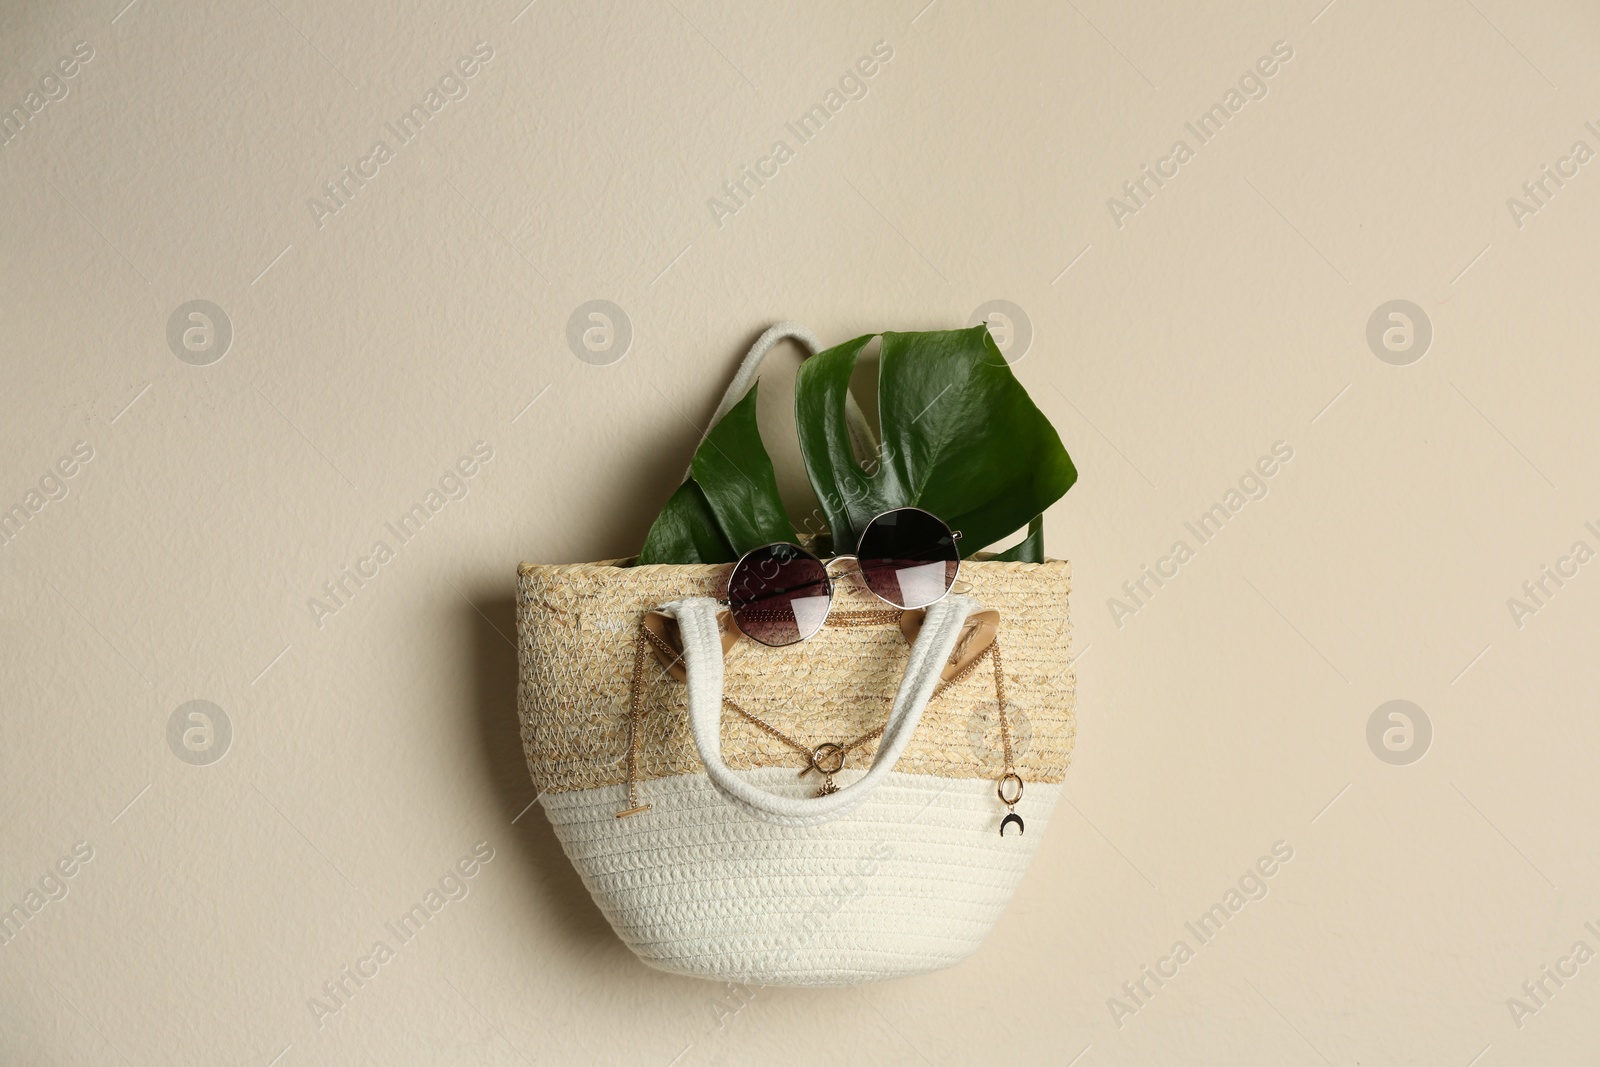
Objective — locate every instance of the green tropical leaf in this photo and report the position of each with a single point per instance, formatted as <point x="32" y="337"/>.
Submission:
<point x="730" y="505"/>
<point x="961" y="438"/>
<point x="1030" y="549"/>
<point x="686" y="531"/>
<point x="734" y="471"/>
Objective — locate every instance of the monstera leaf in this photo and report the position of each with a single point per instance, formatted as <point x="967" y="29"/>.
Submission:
<point x="1028" y="550"/>
<point x="961" y="439"/>
<point x="730" y="505"/>
<point x="686" y="531"/>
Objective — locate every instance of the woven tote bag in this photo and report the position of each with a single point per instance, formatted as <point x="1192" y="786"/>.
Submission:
<point x="701" y="836"/>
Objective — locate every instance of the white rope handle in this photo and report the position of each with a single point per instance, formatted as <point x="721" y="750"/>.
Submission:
<point x="861" y="435"/>
<point x="702" y="649"/>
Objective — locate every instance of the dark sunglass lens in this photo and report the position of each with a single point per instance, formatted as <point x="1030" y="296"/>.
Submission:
<point x="779" y="594"/>
<point x="909" y="558"/>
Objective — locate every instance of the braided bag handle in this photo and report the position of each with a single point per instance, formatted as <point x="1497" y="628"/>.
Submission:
<point x="702" y="649"/>
<point x="862" y="439"/>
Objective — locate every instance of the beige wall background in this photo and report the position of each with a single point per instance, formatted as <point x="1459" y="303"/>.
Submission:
<point x="355" y="755"/>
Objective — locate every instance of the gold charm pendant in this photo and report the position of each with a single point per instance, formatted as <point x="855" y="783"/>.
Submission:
<point x="827" y="759"/>
<point x="1009" y="798"/>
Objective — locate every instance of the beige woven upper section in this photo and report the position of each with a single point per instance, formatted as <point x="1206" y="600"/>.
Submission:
<point x="576" y="626"/>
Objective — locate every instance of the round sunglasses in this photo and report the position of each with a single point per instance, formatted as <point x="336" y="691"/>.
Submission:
<point x="780" y="594"/>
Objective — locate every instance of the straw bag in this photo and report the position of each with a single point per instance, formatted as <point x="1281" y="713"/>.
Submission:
<point x="699" y="835"/>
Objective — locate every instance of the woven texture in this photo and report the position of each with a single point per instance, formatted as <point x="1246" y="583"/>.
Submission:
<point x="576" y="625"/>
<point x="909" y="882"/>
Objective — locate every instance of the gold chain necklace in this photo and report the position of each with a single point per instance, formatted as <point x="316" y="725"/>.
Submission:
<point x="828" y="758"/>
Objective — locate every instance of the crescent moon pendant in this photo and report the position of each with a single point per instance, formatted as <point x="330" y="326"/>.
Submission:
<point x="1008" y="820"/>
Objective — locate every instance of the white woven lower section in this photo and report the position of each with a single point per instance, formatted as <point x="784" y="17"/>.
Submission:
<point x="910" y="881"/>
